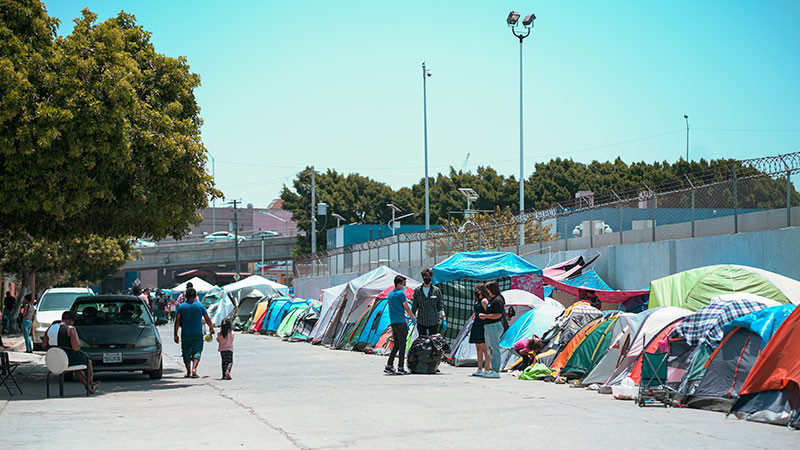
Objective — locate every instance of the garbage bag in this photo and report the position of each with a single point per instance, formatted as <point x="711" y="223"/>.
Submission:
<point x="535" y="372"/>
<point x="426" y="353"/>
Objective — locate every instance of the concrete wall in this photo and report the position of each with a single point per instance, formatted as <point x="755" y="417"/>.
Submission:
<point x="634" y="265"/>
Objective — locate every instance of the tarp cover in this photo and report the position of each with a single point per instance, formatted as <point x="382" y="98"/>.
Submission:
<point x="604" y="295"/>
<point x="779" y="363"/>
<point x="764" y="322"/>
<point x="482" y="265"/>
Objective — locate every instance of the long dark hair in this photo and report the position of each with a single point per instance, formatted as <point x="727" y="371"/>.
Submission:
<point x="480" y="292"/>
<point x="493" y="288"/>
<point x="225" y="327"/>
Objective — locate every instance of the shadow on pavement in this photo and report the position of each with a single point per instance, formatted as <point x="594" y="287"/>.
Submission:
<point x="32" y="380"/>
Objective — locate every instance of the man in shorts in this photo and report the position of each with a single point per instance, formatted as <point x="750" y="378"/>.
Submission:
<point x="189" y="318"/>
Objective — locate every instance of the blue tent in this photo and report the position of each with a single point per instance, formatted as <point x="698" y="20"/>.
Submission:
<point x="482" y="265"/>
<point x="278" y="309"/>
<point x="376" y="324"/>
<point x="764" y="322"/>
<point x="589" y="279"/>
<point x="535" y="321"/>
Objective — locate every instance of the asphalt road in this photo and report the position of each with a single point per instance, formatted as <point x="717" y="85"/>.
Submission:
<point x="294" y="395"/>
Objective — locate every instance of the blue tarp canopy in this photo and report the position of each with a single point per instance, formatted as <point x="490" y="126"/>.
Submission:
<point x="589" y="279"/>
<point x="764" y="322"/>
<point x="482" y="265"/>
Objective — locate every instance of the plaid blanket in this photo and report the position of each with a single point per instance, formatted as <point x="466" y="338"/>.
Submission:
<point x="706" y="324"/>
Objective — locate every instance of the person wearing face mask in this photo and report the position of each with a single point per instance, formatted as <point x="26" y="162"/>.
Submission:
<point x="427" y="306"/>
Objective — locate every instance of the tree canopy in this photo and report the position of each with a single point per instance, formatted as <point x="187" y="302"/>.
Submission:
<point x="360" y="199"/>
<point x="99" y="133"/>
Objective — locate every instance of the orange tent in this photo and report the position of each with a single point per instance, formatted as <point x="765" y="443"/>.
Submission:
<point x="563" y="357"/>
<point x="779" y="363"/>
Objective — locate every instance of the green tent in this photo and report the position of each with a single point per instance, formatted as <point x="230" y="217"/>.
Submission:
<point x="287" y="324"/>
<point x="591" y="350"/>
<point x="694" y="289"/>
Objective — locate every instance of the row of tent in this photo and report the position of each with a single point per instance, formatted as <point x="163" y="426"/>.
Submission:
<point x="723" y="326"/>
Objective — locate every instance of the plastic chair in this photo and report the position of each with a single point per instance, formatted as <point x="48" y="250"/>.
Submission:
<point x="58" y="364"/>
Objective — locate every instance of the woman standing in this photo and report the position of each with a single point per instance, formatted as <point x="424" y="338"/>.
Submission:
<point x="493" y="326"/>
<point x="476" y="335"/>
<point x="28" y="314"/>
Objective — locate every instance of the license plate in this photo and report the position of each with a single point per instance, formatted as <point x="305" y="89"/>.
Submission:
<point x="112" y="358"/>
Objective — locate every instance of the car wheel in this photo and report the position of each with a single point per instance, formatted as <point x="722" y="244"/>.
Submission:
<point x="158" y="373"/>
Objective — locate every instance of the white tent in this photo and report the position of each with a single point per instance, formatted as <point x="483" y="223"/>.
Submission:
<point x="355" y="299"/>
<point x="200" y="285"/>
<point x="330" y="301"/>
<point x="233" y="294"/>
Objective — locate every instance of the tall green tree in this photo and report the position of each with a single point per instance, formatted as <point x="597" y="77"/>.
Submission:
<point x="99" y="133"/>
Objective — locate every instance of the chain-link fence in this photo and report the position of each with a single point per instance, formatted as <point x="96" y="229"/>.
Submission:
<point x="740" y="196"/>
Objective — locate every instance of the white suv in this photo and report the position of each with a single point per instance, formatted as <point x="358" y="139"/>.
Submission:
<point x="53" y="303"/>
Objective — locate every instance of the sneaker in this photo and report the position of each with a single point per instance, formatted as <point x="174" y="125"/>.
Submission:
<point x="491" y="374"/>
<point x="401" y="371"/>
<point x="478" y="373"/>
<point x="388" y="369"/>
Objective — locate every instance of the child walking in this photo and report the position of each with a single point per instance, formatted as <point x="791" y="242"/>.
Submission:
<point x="225" y="340"/>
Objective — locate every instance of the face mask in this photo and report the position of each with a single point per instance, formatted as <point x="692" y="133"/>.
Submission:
<point x="427" y="280"/>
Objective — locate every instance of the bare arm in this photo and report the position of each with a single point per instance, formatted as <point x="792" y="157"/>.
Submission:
<point x="209" y="322"/>
<point x="74" y="342"/>
<point x="46" y="339"/>
<point x="408" y="310"/>
<point x="177" y="325"/>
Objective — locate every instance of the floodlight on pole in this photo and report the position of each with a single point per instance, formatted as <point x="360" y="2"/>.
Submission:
<point x="512" y="18"/>
<point x="426" y="73"/>
<point x="395" y="210"/>
<point x="471" y="196"/>
<point x="338" y="218"/>
<point x="686" y="117"/>
<point x="527" y="23"/>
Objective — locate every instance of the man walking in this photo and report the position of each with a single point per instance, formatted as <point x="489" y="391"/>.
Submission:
<point x="189" y="319"/>
<point x="427" y="306"/>
<point x="398" y="308"/>
<point x="8" y="308"/>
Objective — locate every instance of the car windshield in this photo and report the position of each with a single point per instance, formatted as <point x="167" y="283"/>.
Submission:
<point x="119" y="312"/>
<point x="58" y="301"/>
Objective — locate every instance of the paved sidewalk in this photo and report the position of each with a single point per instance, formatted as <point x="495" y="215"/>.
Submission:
<point x="295" y="395"/>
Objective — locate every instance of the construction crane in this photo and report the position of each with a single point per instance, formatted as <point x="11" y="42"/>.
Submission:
<point x="466" y="161"/>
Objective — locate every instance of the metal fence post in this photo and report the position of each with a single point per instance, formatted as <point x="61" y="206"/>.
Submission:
<point x="788" y="198"/>
<point x="369" y="259"/>
<point x="519" y="233"/>
<point x="448" y="245"/>
<point x="421" y="255"/>
<point x="591" y="226"/>
<point x="620" y="215"/>
<point x="652" y="211"/>
<point x="480" y="239"/>
<point x="464" y="235"/>
<point x="566" y="243"/>
<point x="497" y="227"/>
<point x="735" y="202"/>
<point x="540" y="236"/>
<point x="434" y="252"/>
<point x="692" y="194"/>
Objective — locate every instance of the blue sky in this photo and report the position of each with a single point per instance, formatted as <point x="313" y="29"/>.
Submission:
<point x="338" y="84"/>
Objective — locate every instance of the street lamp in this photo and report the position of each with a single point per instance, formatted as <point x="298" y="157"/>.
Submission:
<point x="426" y="73"/>
<point x="395" y="210"/>
<point x="686" y="117"/>
<point x="338" y="219"/>
<point x="527" y="23"/>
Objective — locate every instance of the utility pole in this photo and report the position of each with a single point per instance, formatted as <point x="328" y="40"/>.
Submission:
<point x="313" y="212"/>
<point x="425" y="74"/>
<point x="236" y="237"/>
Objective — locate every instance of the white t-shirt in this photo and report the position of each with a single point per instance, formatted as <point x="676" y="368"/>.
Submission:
<point x="52" y="334"/>
<point x="426" y="290"/>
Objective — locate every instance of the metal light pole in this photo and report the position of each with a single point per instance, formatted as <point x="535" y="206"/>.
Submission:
<point x="425" y="74"/>
<point x="686" y="117"/>
<point x="262" y="256"/>
<point x="313" y="212"/>
<point x="527" y="23"/>
<point x="213" y="201"/>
